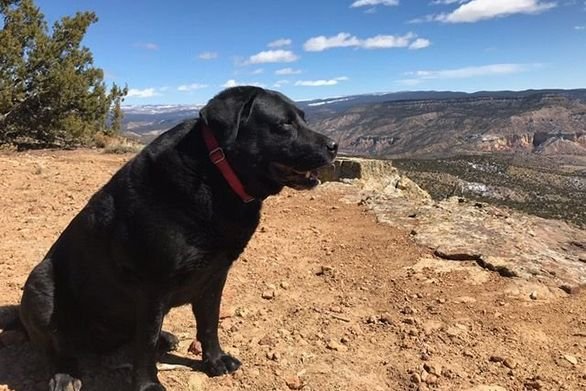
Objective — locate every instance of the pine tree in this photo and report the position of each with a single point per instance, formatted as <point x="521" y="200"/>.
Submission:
<point x="117" y="94"/>
<point x="50" y="91"/>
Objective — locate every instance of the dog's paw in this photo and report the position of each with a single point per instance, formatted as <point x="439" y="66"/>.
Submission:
<point x="64" y="382"/>
<point x="150" y="387"/>
<point x="223" y="365"/>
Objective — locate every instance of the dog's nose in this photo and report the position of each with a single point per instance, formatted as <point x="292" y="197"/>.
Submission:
<point x="332" y="147"/>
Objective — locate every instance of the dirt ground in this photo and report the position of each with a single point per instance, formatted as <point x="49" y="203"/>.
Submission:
<point x="324" y="298"/>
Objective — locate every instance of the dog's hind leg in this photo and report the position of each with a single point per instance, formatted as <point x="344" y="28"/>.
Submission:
<point x="206" y="309"/>
<point x="151" y="309"/>
<point x="47" y="328"/>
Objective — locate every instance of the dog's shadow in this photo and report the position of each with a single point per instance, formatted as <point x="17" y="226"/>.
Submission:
<point x="22" y="368"/>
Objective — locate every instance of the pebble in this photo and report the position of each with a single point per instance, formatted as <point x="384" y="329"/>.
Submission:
<point x="533" y="295"/>
<point x="571" y="359"/>
<point x="434" y="368"/>
<point x="408" y="310"/>
<point x="570" y="289"/>
<point x="510" y="363"/>
<point x="496" y="359"/>
<point x="274" y="356"/>
<point x="268" y="295"/>
<point x="337" y="346"/>
<point x="415" y="378"/>
<point x="386" y="318"/>
<point x="195" y="347"/>
<point x="294" y="382"/>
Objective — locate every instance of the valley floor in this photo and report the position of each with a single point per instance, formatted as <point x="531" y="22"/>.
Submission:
<point x="324" y="298"/>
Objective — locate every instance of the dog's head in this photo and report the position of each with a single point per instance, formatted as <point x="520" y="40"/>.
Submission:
<point x="266" y="140"/>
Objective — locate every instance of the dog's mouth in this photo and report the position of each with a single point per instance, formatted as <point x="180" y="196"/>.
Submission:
<point x="296" y="179"/>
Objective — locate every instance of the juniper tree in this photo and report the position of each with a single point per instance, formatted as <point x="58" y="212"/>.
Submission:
<point x="50" y="91"/>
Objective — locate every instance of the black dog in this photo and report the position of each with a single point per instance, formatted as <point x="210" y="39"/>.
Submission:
<point x="164" y="232"/>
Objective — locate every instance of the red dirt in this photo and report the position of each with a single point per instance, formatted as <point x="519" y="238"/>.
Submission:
<point x="348" y="304"/>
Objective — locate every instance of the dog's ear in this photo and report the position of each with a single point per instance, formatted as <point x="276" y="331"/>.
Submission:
<point x="228" y="110"/>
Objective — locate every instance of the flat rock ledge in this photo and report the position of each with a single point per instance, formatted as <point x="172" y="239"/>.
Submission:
<point x="501" y="240"/>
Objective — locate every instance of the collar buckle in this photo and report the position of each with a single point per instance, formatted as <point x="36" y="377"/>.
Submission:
<point x="217" y="155"/>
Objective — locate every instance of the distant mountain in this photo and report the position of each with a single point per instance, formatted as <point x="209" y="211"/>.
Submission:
<point x="541" y="122"/>
<point x="424" y="123"/>
<point x="148" y="121"/>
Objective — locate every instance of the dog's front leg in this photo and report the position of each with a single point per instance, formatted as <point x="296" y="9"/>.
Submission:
<point x="150" y="313"/>
<point x="206" y="309"/>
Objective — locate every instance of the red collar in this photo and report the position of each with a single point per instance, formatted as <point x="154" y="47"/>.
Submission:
<point x="218" y="157"/>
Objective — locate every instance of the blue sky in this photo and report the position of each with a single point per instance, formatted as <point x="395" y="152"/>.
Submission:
<point x="185" y="52"/>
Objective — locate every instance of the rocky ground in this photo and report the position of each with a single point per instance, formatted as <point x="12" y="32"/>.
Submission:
<point x="353" y="286"/>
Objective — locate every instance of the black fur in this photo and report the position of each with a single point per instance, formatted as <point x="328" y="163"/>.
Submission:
<point x="163" y="232"/>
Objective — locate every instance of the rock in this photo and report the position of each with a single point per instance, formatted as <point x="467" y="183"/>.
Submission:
<point x="195" y="347"/>
<point x="571" y="359"/>
<point x="284" y="285"/>
<point x="274" y="356"/>
<point x="570" y="289"/>
<point x="268" y="295"/>
<point x="533" y="295"/>
<point x="533" y="384"/>
<point x="408" y="310"/>
<point x="415" y="378"/>
<point x="197" y="382"/>
<point x="324" y="271"/>
<point x="496" y="359"/>
<point x="267" y="340"/>
<point x="410" y="320"/>
<point x="386" y="318"/>
<point x="294" y="382"/>
<point x="434" y="368"/>
<point x="510" y="363"/>
<point x="457" y="330"/>
<point x="431" y="379"/>
<point x="337" y="346"/>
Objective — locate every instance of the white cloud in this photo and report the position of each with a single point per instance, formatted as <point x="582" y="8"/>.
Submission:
<point x="280" y="83"/>
<point x="272" y="56"/>
<point x="419" y="43"/>
<point x="287" y="71"/>
<point x="441" y="2"/>
<point x="208" y="56"/>
<point x="257" y="71"/>
<point x="476" y="10"/>
<point x="144" y="93"/>
<point x="370" y="3"/>
<point x="387" y="41"/>
<point x="233" y="83"/>
<point x="579" y="28"/>
<point x="147" y="46"/>
<point x="280" y="43"/>
<point x="320" y="83"/>
<point x="230" y="83"/>
<point x="321" y="43"/>
<point x="191" y="87"/>
<point x="467" y="72"/>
